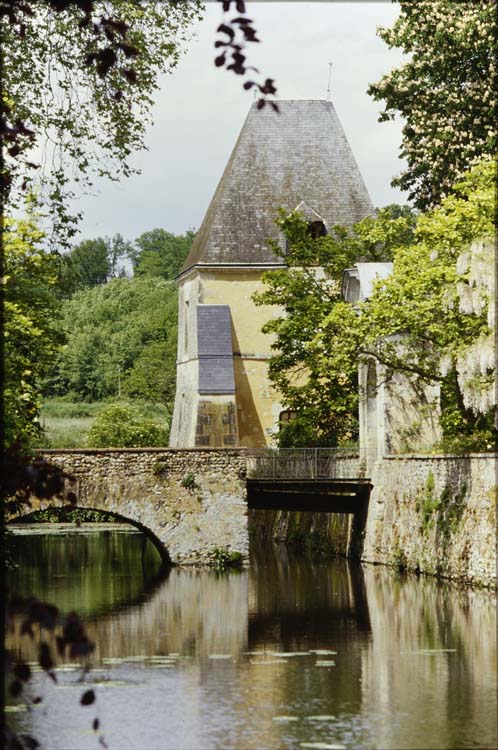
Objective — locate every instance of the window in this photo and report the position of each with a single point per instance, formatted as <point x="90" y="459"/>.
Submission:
<point x="286" y="416"/>
<point x="185" y="330"/>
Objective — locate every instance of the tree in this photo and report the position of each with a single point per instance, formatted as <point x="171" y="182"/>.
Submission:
<point x="153" y="373"/>
<point x="30" y="337"/>
<point x="424" y="304"/>
<point x="115" y="335"/>
<point x="316" y="382"/>
<point x="475" y="360"/>
<point x="93" y="262"/>
<point x="78" y="77"/>
<point x="160" y="253"/>
<point x="446" y="92"/>
<point x="88" y="263"/>
<point x="421" y="302"/>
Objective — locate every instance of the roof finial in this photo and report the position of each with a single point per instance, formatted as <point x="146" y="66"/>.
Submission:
<point x="328" y="89"/>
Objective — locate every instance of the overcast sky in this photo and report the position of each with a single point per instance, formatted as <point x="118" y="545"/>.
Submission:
<point x="200" y="110"/>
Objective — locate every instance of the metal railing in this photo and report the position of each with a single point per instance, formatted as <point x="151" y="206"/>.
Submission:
<point x="302" y="463"/>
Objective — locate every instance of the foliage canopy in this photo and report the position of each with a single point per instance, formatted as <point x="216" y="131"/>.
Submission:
<point x="78" y="81"/>
<point x="446" y="92"/>
<point x="160" y="253"/>
<point x="30" y="335"/>
<point x="320" y="338"/>
<point x="120" y="338"/>
<point x="318" y="382"/>
<point x="123" y="427"/>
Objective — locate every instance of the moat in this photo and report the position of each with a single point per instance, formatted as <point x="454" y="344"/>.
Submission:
<point x="288" y="653"/>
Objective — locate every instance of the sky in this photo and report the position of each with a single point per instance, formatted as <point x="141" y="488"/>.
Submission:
<point x="199" y="111"/>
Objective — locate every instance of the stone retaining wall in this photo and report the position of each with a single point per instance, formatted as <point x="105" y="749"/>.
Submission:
<point x="190" y="501"/>
<point x="435" y="514"/>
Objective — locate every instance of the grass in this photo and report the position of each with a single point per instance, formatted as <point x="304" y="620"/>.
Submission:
<point x="66" y="423"/>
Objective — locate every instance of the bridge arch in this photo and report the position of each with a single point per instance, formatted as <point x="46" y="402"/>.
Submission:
<point x="158" y="544"/>
<point x="188" y="502"/>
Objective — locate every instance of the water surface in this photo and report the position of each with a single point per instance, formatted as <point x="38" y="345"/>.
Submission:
<point x="288" y="654"/>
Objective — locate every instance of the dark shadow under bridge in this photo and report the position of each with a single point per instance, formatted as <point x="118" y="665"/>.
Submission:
<point x="307" y="479"/>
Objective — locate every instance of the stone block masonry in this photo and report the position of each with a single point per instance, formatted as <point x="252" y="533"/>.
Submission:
<point x="189" y="501"/>
<point x="436" y="515"/>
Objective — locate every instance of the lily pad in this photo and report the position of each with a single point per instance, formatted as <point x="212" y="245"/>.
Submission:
<point x="324" y="663"/>
<point x="429" y="652"/>
<point x="322" y="746"/>
<point x="112" y="683"/>
<point x="68" y="668"/>
<point x="284" y="719"/>
<point x="219" y="656"/>
<point x="323" y="717"/>
<point x="255" y="653"/>
<point x="268" y="661"/>
<point x="135" y="658"/>
<point x="322" y="651"/>
<point x="284" y="654"/>
<point x="166" y="657"/>
<point x="112" y="660"/>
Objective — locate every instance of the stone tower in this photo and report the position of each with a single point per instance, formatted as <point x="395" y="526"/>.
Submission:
<point x="297" y="158"/>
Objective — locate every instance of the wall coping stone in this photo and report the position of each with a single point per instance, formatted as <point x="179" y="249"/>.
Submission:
<point x="90" y="451"/>
<point x="436" y="456"/>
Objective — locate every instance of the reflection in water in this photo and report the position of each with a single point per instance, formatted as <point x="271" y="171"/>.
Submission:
<point x="93" y="573"/>
<point x="368" y="659"/>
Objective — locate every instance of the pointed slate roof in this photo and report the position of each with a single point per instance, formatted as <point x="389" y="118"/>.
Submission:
<point x="300" y="154"/>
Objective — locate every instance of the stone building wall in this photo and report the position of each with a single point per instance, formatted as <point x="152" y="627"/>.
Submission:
<point x="190" y="501"/>
<point x="398" y="413"/>
<point x="435" y="514"/>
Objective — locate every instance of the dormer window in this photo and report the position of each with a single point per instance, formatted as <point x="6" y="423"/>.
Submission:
<point x="316" y="225"/>
<point x="317" y="229"/>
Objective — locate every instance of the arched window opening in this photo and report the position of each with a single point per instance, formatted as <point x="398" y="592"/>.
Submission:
<point x="371" y="380"/>
<point x="317" y="229"/>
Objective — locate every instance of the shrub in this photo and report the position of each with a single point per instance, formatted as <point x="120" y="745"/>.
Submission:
<point x="223" y="558"/>
<point x="122" y="427"/>
<point x="189" y="482"/>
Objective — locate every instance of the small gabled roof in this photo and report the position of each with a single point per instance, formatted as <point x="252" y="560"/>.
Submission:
<point x="299" y="156"/>
<point x="309" y="213"/>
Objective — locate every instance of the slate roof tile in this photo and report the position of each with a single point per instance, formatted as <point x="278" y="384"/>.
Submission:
<point x="300" y="154"/>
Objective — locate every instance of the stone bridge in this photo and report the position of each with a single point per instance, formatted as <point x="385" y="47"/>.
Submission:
<point x="193" y="501"/>
<point x="188" y="502"/>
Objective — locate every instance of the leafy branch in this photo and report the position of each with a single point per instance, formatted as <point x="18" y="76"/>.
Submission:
<point x="237" y="33"/>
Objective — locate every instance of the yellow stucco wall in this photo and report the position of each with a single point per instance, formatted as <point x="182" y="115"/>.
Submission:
<point x="236" y="289"/>
<point x="258" y="404"/>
